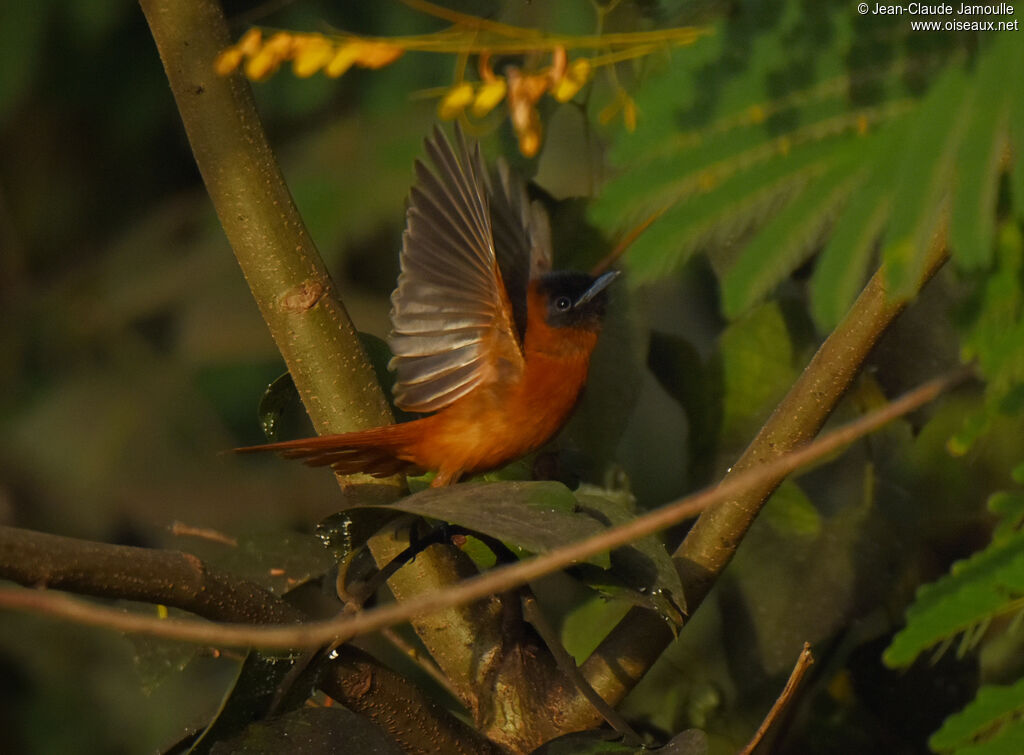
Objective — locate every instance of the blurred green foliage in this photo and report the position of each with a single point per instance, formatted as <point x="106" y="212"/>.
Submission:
<point x="790" y="152"/>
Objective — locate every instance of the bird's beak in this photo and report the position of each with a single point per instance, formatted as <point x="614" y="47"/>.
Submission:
<point x="598" y="286"/>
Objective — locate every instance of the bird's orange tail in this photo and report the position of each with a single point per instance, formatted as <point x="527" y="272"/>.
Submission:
<point x="379" y="451"/>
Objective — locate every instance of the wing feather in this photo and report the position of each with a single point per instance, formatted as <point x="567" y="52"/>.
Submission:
<point x="453" y="327"/>
<point x="522" y="238"/>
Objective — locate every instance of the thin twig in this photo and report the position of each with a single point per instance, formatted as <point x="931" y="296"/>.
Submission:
<point x="567" y="665"/>
<point x="425" y="664"/>
<point x="613" y="256"/>
<point x="496" y="581"/>
<point x="803" y="663"/>
<point x="180" y="529"/>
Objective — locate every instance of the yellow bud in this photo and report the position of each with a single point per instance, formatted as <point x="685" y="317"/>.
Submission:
<point x="580" y="69"/>
<point x="757" y="114"/>
<point x="488" y="96"/>
<point x="312" y="54"/>
<point x="575" y="77"/>
<point x="250" y="42"/>
<point x="629" y="114"/>
<point x="455" y="101"/>
<point x="342" y="60"/>
<point x="529" y="142"/>
<point x="378" y="54"/>
<point x="279" y="45"/>
<point x="534" y="86"/>
<point x="262" y="65"/>
<point x="227" y="61"/>
<point x="566" y="89"/>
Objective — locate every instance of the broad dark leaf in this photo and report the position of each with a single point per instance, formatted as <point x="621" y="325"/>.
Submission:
<point x="311" y="731"/>
<point x="251" y="698"/>
<point x="534" y="516"/>
<point x="689" y="742"/>
<point x="595" y="742"/>
<point x="281" y="413"/>
<point x="645" y="565"/>
<point x="279" y="561"/>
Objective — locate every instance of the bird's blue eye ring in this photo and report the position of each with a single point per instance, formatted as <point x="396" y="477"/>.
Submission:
<point x="562" y="303"/>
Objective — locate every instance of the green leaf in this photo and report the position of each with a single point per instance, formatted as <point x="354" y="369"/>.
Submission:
<point x="280" y="411"/>
<point x="595" y="742"/>
<point x="697" y="386"/>
<point x="843" y="266"/>
<point x="973" y="214"/>
<point x="976" y="590"/>
<point x="535" y="516"/>
<point x="157" y="659"/>
<point x="790" y="512"/>
<point x="1009" y="507"/>
<point x="993" y="724"/>
<point x="756" y="355"/>
<point x="717" y="217"/>
<point x="277" y="561"/>
<point x="645" y="564"/>
<point x="924" y="182"/>
<point x="1016" y="97"/>
<point x="311" y="731"/>
<point x="994" y="337"/>
<point x="689" y="742"/>
<point x="249" y="699"/>
<point x="282" y="415"/>
<point x="786" y="241"/>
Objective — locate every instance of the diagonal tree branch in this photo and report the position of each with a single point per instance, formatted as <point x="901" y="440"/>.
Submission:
<point x="623" y="658"/>
<point x="284" y="270"/>
<point x="294" y="291"/>
<point x="498" y="580"/>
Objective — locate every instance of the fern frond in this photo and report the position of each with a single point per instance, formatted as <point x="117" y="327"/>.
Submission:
<point x="986" y="586"/>
<point x="992" y="724"/>
<point x="981" y="159"/>
<point x="786" y="241"/>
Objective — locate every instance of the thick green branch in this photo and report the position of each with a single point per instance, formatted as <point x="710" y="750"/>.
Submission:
<point x="283" y="268"/>
<point x="281" y="264"/>
<point x="639" y="639"/>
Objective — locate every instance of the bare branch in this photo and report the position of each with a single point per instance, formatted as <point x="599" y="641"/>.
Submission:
<point x="803" y="664"/>
<point x="620" y="661"/>
<point x="181" y="580"/>
<point x="287" y="277"/>
<point x="317" y="633"/>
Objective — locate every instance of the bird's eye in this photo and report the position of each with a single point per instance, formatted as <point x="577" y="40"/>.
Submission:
<point x="562" y="303"/>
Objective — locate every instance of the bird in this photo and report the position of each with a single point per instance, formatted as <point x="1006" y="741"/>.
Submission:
<point x="487" y="341"/>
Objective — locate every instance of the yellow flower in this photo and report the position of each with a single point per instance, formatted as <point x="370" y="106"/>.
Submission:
<point x="251" y="42"/>
<point x="523" y="93"/>
<point x="455" y="101"/>
<point x="227" y="61"/>
<point x="265" y="62"/>
<point x="575" y="77"/>
<point x="342" y="60"/>
<point x="311" y="54"/>
<point x="262" y="65"/>
<point x="529" y="140"/>
<point x="488" y="96"/>
<point x="378" y="54"/>
<point x="629" y="114"/>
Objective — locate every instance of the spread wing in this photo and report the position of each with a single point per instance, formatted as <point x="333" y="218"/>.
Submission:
<point x="522" y="238"/>
<point x="452" y="323"/>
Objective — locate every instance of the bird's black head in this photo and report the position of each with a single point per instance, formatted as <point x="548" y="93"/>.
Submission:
<point x="575" y="300"/>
